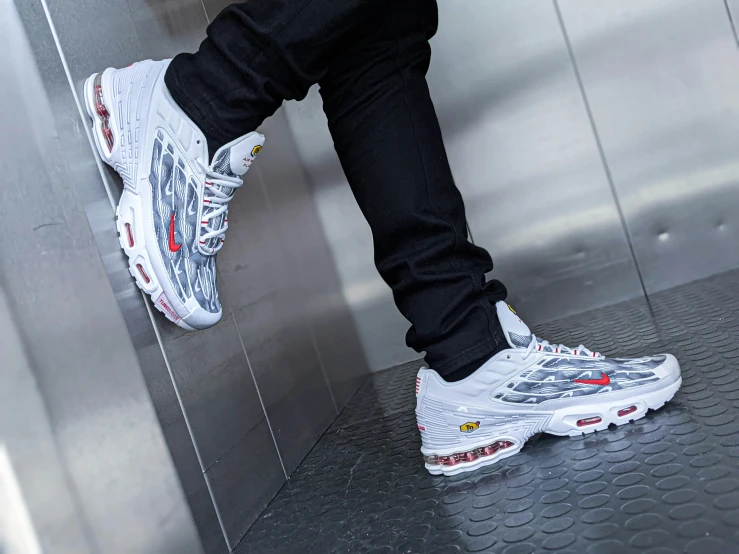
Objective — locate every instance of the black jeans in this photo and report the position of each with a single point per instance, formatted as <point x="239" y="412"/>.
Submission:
<point x="370" y="59"/>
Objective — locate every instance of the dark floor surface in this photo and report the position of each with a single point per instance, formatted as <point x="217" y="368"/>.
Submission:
<point x="666" y="483"/>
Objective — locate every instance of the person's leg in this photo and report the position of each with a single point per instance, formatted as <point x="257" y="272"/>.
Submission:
<point x="387" y="136"/>
<point x="256" y="55"/>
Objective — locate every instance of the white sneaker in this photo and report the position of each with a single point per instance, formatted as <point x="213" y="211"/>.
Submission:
<point x="173" y="214"/>
<point x="533" y="387"/>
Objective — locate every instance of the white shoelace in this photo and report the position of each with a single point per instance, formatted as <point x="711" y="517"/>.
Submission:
<point x="215" y="203"/>
<point x="540" y="344"/>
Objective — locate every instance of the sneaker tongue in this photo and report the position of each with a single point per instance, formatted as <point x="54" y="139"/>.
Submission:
<point x="516" y="331"/>
<point x="233" y="159"/>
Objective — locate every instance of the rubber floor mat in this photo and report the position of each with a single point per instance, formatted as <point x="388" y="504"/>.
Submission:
<point x="668" y="483"/>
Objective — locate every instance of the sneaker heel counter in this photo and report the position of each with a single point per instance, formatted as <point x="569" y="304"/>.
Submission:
<point x="430" y="416"/>
<point x="132" y="93"/>
<point x="422" y="383"/>
<point x="424" y="380"/>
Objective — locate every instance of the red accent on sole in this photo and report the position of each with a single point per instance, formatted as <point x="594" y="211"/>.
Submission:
<point x="142" y="271"/>
<point x="108" y="136"/>
<point x="626" y="411"/>
<point x="588" y="421"/>
<point x="103" y="113"/>
<point x="130" y="235"/>
<point x="469" y="455"/>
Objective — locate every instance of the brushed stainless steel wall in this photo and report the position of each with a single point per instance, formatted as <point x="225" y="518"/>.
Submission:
<point x="241" y="404"/>
<point x="523" y="154"/>
<point x="380" y="326"/>
<point x="555" y="117"/>
<point x="662" y="81"/>
<point x="77" y="423"/>
<point x="594" y="144"/>
<point x="33" y="484"/>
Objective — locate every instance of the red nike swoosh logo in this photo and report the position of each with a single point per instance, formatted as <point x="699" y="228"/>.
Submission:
<point x="603" y="381"/>
<point x="173" y="246"/>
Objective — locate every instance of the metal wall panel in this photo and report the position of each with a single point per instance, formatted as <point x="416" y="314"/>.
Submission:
<point x="202" y="384"/>
<point x="662" y="81"/>
<point x="265" y="287"/>
<point x="114" y="457"/>
<point x="524" y="156"/>
<point x="285" y="295"/>
<point x="218" y="395"/>
<point x="380" y="325"/>
<point x="243" y="481"/>
<point x="31" y="459"/>
<point x="209" y="369"/>
<point x="317" y="295"/>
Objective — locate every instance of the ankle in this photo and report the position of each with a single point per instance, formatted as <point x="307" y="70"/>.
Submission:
<point x="467" y="369"/>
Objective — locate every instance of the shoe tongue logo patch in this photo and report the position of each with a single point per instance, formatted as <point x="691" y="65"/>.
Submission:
<point x="602" y="381"/>
<point x="469" y="426"/>
<point x="256" y="150"/>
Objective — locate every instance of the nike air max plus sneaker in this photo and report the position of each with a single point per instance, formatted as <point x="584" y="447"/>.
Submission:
<point x="530" y="388"/>
<point x="173" y="213"/>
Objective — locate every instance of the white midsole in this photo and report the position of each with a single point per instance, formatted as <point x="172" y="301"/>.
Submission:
<point x="562" y="421"/>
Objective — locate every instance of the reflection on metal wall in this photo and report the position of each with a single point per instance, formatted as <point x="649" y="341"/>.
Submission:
<point x="381" y="327"/>
<point x="77" y="420"/>
<point x="545" y="156"/>
<point x="662" y="79"/>
<point x="241" y="404"/>
<point x="31" y="518"/>
<point x="523" y="154"/>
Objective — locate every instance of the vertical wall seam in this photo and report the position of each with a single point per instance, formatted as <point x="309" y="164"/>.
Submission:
<point x="80" y="110"/>
<point x="88" y="535"/>
<point x="317" y="350"/>
<point x="190" y="432"/>
<point x="256" y="387"/>
<point x="731" y="22"/>
<point x="81" y="113"/>
<point x="599" y="145"/>
<point x="207" y="18"/>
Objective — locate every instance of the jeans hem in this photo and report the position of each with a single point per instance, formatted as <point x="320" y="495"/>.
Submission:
<point x="469" y="355"/>
<point x="192" y="111"/>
